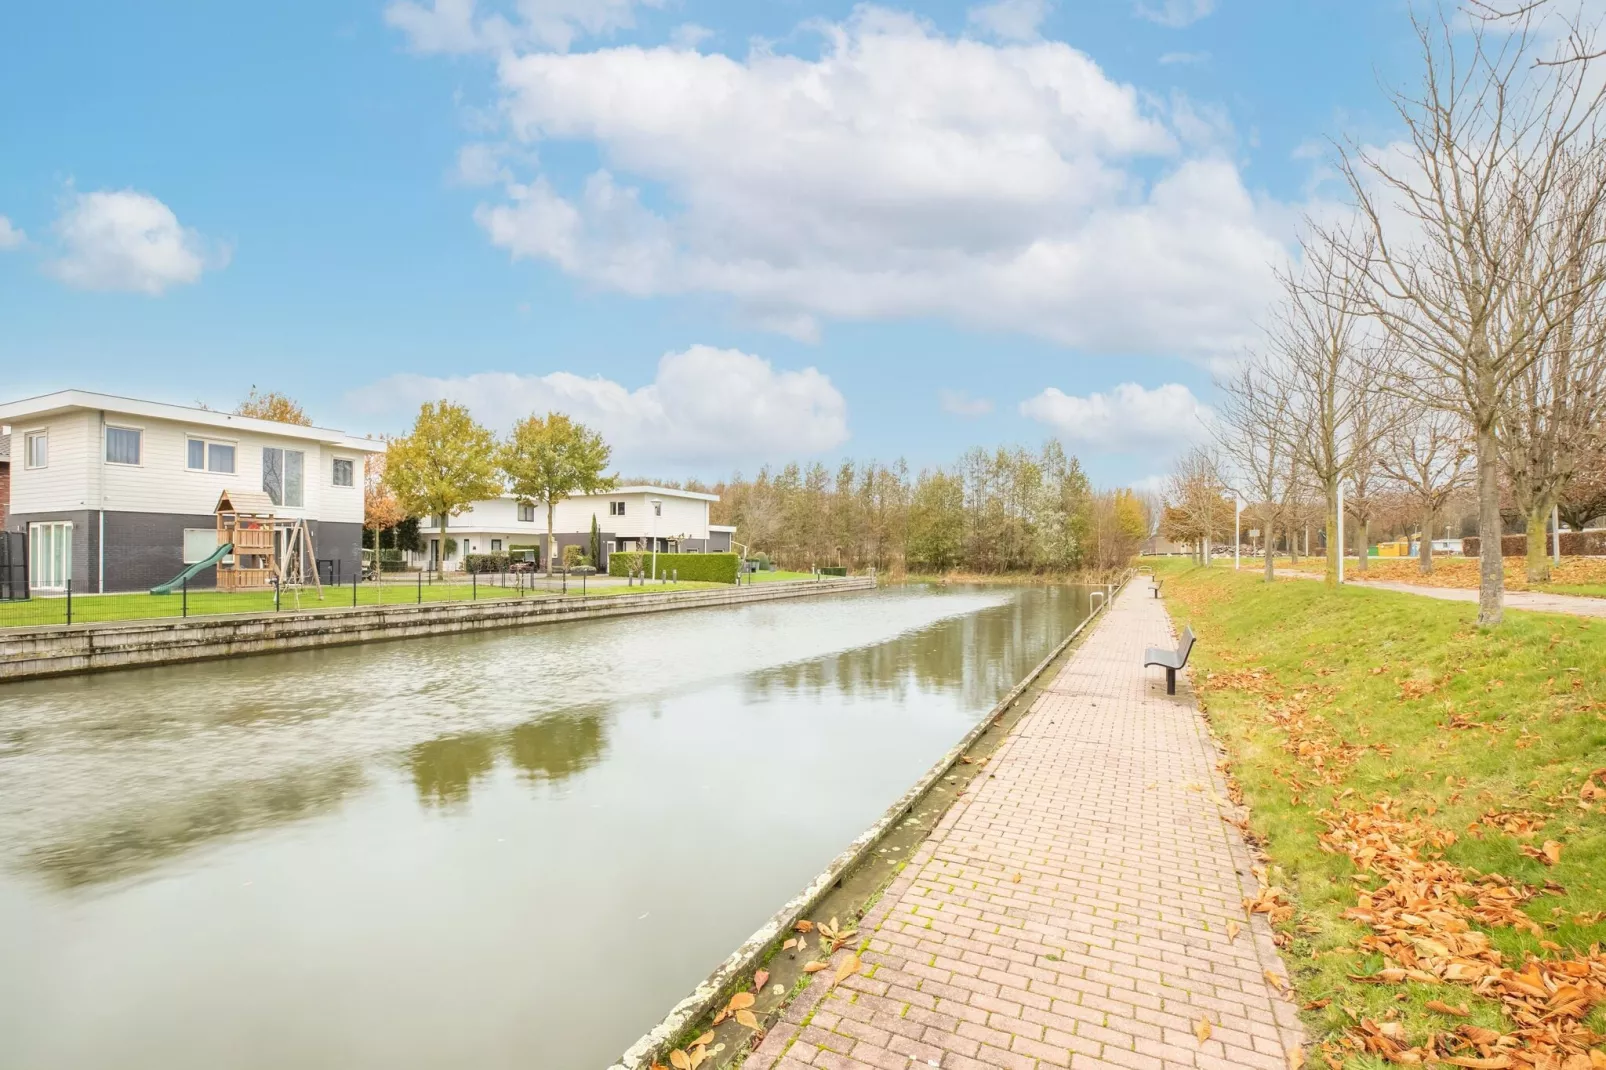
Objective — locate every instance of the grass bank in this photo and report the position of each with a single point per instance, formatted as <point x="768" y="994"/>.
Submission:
<point x="1430" y="799"/>
<point x="1575" y="575"/>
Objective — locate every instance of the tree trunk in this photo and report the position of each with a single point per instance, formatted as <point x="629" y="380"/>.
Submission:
<point x="1333" y="548"/>
<point x="1424" y="549"/>
<point x="440" y="558"/>
<point x="1538" y="544"/>
<point x="1207" y="551"/>
<point x="1293" y="545"/>
<point x="1270" y="551"/>
<point x="1363" y="538"/>
<point x="1491" y="574"/>
<point x="550" y="508"/>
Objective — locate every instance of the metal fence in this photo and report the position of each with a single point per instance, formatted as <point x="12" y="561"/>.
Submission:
<point x="13" y="566"/>
<point x="389" y="589"/>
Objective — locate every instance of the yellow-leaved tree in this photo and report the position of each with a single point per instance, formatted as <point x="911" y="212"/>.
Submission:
<point x="446" y="463"/>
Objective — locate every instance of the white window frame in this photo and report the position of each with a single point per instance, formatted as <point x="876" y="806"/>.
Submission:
<point x="334" y="465"/>
<point x="60" y="528"/>
<point x="284" y="476"/>
<point x="496" y="546"/>
<point x="526" y="507"/>
<point x="616" y="508"/>
<point x="106" y="445"/>
<point x="206" y="454"/>
<point x="27" y="448"/>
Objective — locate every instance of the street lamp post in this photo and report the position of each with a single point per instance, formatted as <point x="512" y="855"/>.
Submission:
<point x="1237" y="531"/>
<point x="657" y="507"/>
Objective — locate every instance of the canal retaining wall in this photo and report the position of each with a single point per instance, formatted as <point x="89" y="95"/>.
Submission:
<point x="60" y="650"/>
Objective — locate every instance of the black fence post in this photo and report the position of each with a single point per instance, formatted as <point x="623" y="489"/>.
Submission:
<point x="69" y="601"/>
<point x="420" y="586"/>
<point x="354" y="580"/>
<point x="474" y="584"/>
<point x="276" y="589"/>
<point x="186" y="609"/>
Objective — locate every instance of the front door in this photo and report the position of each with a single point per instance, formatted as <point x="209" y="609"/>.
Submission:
<point x="50" y="555"/>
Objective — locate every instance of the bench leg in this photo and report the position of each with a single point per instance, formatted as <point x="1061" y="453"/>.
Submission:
<point x="1171" y="681"/>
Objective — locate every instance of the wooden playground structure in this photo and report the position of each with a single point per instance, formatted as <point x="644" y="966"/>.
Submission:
<point x="269" y="549"/>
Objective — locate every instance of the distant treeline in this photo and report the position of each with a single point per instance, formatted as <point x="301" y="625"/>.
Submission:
<point x="992" y="511"/>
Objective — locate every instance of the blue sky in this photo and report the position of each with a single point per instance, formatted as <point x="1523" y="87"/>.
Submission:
<point x="727" y="233"/>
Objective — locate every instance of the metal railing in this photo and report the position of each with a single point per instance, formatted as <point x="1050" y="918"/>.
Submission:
<point x="70" y="606"/>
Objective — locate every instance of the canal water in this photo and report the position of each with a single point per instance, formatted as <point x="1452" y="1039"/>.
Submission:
<point x="515" y="849"/>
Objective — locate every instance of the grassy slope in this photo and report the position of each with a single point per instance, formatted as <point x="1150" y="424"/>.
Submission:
<point x="1575" y="575"/>
<point x="1537" y="681"/>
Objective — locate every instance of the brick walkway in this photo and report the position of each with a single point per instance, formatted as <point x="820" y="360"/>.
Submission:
<point x="1072" y="909"/>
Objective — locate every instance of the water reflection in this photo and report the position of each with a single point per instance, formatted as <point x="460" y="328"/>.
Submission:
<point x="132" y="840"/>
<point x="550" y="749"/>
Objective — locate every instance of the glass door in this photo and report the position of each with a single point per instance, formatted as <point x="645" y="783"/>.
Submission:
<point x="50" y="555"/>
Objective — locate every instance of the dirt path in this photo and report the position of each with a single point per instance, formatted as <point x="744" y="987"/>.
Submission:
<point x="1074" y="908"/>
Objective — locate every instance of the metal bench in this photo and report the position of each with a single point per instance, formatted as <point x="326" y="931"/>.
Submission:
<point x="1171" y="660"/>
<point x="1157" y="585"/>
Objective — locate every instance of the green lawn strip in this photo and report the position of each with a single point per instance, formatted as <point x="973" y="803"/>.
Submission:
<point x="1535" y="682"/>
<point x="771" y="577"/>
<point x="1588" y="590"/>
<point x="86" y="609"/>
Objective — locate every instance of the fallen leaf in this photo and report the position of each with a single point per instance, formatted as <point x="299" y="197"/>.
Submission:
<point x="741" y="1001"/>
<point x="747" y="1018"/>
<point x="1201" y="1029"/>
<point x="679" y="1060"/>
<point x="1233" y="929"/>
<point x="849" y="967"/>
<point x="698" y="1055"/>
<point x="1444" y="1008"/>
<point x="1015" y="879"/>
<point x="1296" y="1057"/>
<point x="789" y="945"/>
<point x="804" y="926"/>
<point x="704" y="1040"/>
<point x="760" y="978"/>
<point x="1276" y="981"/>
<point x="816" y="967"/>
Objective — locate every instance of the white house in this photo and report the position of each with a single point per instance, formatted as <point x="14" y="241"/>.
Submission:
<point x="629" y="518"/>
<point x="117" y="494"/>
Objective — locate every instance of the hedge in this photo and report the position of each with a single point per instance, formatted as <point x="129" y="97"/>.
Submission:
<point x="485" y="563"/>
<point x="1573" y="544"/>
<point x="706" y="568"/>
<point x="833" y="570"/>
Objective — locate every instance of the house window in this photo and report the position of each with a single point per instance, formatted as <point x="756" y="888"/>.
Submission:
<point x="344" y="472"/>
<point x="616" y="508"/>
<point x="657" y="508"/>
<point x="203" y="456"/>
<point x="37" y="451"/>
<point x="199" y="544"/>
<point x="282" y="472"/>
<point x="50" y="555"/>
<point x="123" y="445"/>
<point x="526" y="513"/>
<point x="496" y="546"/>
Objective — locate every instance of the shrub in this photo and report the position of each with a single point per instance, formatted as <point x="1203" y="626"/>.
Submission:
<point x="485" y="563"/>
<point x="706" y="568"/>
<point x="763" y="560"/>
<point x="833" y="570"/>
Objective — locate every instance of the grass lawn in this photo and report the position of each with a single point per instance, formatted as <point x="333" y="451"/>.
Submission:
<point x="1432" y="802"/>
<point x="771" y="577"/>
<point x="1575" y="575"/>
<point x="140" y="606"/>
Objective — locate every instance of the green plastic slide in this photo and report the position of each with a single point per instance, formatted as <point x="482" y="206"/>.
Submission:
<point x="190" y="573"/>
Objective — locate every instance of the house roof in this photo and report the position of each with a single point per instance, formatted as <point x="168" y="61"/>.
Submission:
<point x="723" y="527"/>
<point x="74" y="400"/>
<point x="245" y="502"/>
<point x="663" y="492"/>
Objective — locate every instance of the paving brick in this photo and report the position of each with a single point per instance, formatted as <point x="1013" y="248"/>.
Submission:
<point x="1107" y="803"/>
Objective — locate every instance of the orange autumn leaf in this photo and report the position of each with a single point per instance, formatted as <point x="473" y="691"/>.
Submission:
<point x="816" y="966"/>
<point x="679" y="1060"/>
<point x="741" y="1001"/>
<point x="1201" y="1029"/>
<point x="849" y="967"/>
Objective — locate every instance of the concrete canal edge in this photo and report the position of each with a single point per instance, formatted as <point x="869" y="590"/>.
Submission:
<point x="732" y="974"/>
<point x="63" y="650"/>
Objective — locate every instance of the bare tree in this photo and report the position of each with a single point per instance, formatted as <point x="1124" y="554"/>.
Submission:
<point x="1197" y="509"/>
<point x="1320" y="333"/>
<point x="1464" y="212"/>
<point x="1255" y="432"/>
<point x="1425" y="453"/>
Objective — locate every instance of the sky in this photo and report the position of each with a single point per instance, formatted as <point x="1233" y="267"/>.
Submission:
<point x="724" y="233"/>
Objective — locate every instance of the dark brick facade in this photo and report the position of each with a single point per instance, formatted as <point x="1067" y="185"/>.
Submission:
<point x="144" y="549"/>
<point x="5" y="493"/>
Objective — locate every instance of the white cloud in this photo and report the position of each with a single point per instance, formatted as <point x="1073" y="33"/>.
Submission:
<point x="10" y="237"/>
<point x="705" y="408"/>
<point x="480" y="164"/>
<point x="1171" y="58"/>
<point x="1129" y="418"/>
<point x="900" y="173"/>
<point x="689" y="35"/>
<point x="456" y="27"/>
<point x="960" y="403"/>
<point x="126" y="240"/>
<point x="1009" y="20"/>
<point x="1175" y="13"/>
